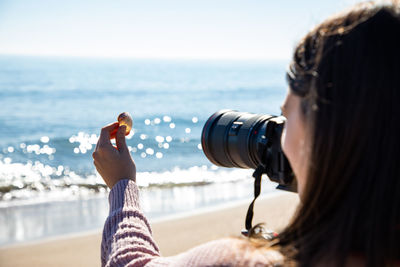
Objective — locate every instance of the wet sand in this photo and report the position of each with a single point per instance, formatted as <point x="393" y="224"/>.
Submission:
<point x="186" y="231"/>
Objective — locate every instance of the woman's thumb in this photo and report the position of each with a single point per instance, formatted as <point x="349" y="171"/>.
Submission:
<point x="120" y="139"/>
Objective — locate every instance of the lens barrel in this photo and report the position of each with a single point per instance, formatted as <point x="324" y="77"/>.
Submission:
<point x="245" y="140"/>
<point x="228" y="138"/>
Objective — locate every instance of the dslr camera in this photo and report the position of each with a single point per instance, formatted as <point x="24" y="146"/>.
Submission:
<point x="252" y="141"/>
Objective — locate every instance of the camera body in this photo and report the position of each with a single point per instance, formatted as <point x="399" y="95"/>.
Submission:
<point x="245" y="140"/>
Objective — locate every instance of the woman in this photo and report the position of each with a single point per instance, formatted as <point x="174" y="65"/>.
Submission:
<point x="341" y="138"/>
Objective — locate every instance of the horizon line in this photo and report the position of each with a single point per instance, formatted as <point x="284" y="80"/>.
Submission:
<point x="131" y="57"/>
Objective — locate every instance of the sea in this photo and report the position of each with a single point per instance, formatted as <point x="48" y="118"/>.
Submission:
<point x="51" y="113"/>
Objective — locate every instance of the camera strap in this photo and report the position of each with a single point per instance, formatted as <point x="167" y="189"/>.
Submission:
<point x="257" y="190"/>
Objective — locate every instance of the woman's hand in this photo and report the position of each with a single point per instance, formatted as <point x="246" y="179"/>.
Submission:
<point x="113" y="163"/>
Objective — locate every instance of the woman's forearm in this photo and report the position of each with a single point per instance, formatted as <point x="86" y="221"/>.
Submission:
<point x="127" y="236"/>
<point x="127" y="240"/>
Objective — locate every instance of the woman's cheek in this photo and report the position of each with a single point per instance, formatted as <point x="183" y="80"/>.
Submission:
<point x="283" y="140"/>
<point x="287" y="144"/>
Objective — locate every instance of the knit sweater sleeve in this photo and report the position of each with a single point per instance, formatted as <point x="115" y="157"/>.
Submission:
<point x="127" y="240"/>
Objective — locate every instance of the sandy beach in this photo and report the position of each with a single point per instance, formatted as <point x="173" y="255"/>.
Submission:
<point x="186" y="231"/>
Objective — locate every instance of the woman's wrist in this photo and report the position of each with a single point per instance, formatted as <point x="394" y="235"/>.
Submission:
<point x="124" y="193"/>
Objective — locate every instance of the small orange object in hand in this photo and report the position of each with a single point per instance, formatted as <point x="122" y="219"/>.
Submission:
<point x="125" y="119"/>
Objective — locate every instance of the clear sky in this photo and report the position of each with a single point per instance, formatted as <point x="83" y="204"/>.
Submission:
<point x="205" y="29"/>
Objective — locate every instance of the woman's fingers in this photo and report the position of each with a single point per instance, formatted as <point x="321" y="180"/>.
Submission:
<point x="113" y="163"/>
<point x="120" y="139"/>
<point x="113" y="133"/>
<point x="105" y="135"/>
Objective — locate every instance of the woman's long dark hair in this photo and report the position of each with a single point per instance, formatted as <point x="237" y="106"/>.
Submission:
<point x="347" y="71"/>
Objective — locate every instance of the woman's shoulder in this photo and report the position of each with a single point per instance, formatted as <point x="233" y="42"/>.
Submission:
<point x="228" y="252"/>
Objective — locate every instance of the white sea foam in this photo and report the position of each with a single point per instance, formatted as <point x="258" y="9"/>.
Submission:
<point x="193" y="175"/>
<point x="33" y="182"/>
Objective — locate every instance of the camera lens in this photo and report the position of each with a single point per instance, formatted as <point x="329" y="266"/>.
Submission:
<point x="245" y="140"/>
<point x="232" y="139"/>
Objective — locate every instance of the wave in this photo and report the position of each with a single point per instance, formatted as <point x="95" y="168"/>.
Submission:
<point x="35" y="182"/>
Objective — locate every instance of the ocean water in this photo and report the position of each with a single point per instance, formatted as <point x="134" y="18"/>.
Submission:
<point x="51" y="113"/>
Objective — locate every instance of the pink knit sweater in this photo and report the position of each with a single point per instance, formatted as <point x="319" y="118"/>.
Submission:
<point x="127" y="240"/>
